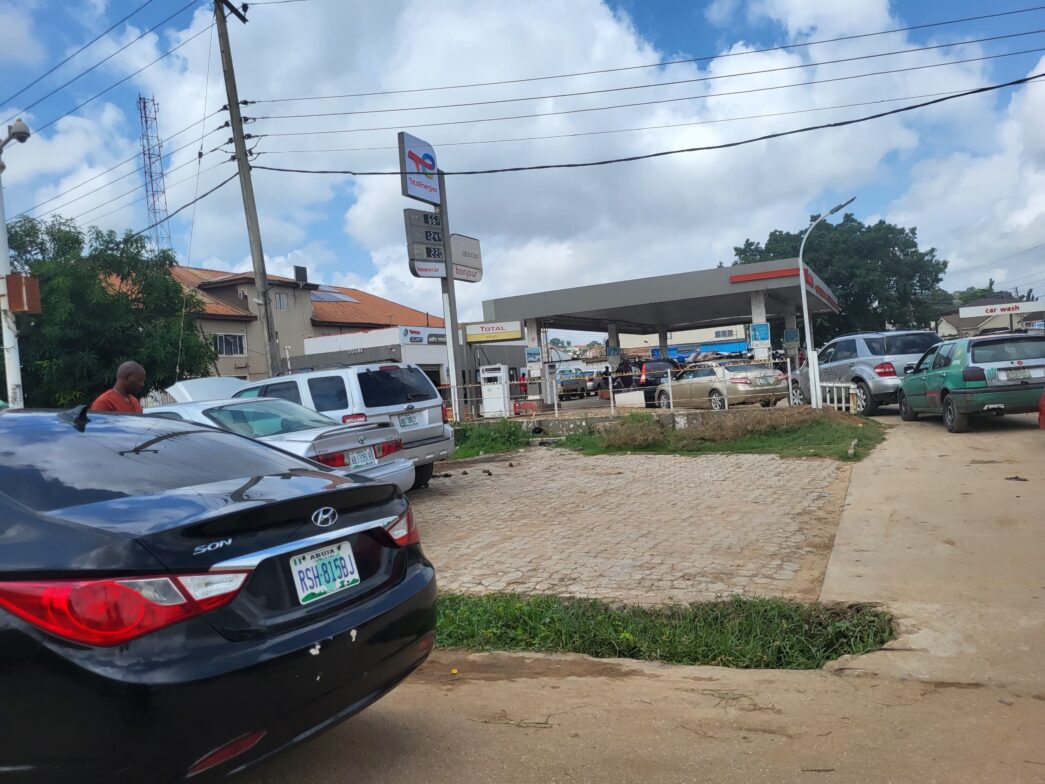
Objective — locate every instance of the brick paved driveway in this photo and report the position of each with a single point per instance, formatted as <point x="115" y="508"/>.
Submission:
<point x="644" y="529"/>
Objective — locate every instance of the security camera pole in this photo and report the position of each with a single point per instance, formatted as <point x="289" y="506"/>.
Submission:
<point x="19" y="132"/>
<point x="250" y="208"/>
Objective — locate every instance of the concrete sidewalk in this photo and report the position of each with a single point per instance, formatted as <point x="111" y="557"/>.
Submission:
<point x="948" y="531"/>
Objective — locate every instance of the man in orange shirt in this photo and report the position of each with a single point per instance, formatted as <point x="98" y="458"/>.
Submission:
<point x="122" y="398"/>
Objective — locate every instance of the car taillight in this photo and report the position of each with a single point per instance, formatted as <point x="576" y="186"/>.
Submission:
<point x="446" y="414"/>
<point x="973" y="373"/>
<point x="387" y="448"/>
<point x="112" y="612"/>
<point x="332" y="459"/>
<point x="740" y="379"/>
<point x="403" y="531"/>
<point x="353" y="419"/>
<point x="885" y="370"/>
<point x="642" y="378"/>
<point x="230" y="750"/>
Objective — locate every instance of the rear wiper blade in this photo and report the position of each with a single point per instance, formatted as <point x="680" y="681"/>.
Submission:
<point x="144" y="446"/>
<point x="417" y="396"/>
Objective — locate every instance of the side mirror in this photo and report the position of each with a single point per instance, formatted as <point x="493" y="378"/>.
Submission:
<point x="908" y="369"/>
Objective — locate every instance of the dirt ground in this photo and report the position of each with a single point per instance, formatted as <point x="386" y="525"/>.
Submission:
<point x="939" y="528"/>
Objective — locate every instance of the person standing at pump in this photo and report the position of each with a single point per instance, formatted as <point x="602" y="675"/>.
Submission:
<point x="123" y="397"/>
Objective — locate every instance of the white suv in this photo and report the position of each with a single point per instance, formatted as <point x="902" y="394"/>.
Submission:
<point x="386" y="392"/>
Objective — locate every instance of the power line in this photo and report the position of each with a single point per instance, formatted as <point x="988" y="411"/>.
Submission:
<point x="661" y="154"/>
<point x="221" y="184"/>
<point x="627" y="130"/>
<point x="132" y="190"/>
<point x="650" y="85"/>
<point x="663" y="63"/>
<point x="58" y="65"/>
<point x="661" y="101"/>
<point x="113" y="86"/>
<point x="135" y="200"/>
<point x="996" y="262"/>
<point x="199" y="162"/>
<point x="110" y="169"/>
<point x="62" y="86"/>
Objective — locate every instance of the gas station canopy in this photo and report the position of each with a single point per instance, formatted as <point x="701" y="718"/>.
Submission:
<point x="685" y="300"/>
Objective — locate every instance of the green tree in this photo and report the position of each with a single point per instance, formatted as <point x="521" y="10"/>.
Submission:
<point x="878" y="273"/>
<point x="560" y="343"/>
<point x="106" y="299"/>
<point x="976" y="292"/>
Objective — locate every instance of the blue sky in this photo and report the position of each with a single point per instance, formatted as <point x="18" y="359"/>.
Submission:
<point x="970" y="175"/>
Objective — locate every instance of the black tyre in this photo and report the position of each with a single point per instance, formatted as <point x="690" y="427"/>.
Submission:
<point x="953" y="419"/>
<point x="422" y="475"/>
<point x="718" y="402"/>
<point x="865" y="404"/>
<point x="765" y="403"/>
<point x="664" y="400"/>
<point x="907" y="414"/>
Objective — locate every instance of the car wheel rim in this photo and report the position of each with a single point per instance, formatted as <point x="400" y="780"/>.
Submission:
<point x="716" y="402"/>
<point x="861" y="398"/>
<point x="948" y="414"/>
<point x="796" y="396"/>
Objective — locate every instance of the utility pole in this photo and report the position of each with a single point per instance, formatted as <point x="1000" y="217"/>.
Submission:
<point x="250" y="208"/>
<point x="454" y="355"/>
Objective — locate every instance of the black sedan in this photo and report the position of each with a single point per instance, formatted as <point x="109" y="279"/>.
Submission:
<point x="180" y="602"/>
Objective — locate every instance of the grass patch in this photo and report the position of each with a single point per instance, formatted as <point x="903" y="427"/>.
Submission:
<point x="788" y="433"/>
<point x="739" y="632"/>
<point x="474" y="438"/>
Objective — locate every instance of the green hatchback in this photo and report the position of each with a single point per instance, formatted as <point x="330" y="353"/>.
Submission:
<point x="992" y="373"/>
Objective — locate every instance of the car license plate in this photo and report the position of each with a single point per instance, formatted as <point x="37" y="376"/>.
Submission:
<point x="408" y="420"/>
<point x="362" y="458"/>
<point x="765" y="380"/>
<point x="323" y="572"/>
<point x="1017" y="373"/>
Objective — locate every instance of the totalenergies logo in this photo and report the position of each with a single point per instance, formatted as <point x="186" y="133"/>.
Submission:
<point x="423" y="164"/>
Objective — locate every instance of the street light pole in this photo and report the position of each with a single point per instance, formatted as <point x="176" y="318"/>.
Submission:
<point x="19" y="132"/>
<point x="812" y="360"/>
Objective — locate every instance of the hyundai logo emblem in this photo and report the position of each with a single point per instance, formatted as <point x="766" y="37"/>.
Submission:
<point x="324" y="517"/>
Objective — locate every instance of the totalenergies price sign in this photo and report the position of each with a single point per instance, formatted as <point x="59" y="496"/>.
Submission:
<point x="418" y="169"/>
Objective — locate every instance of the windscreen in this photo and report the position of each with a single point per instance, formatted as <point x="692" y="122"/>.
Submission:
<point x="1008" y="350"/>
<point x="267" y="418"/>
<point x="395" y="386"/>
<point x="909" y="343"/>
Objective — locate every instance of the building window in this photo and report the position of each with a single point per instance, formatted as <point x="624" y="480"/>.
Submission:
<point x="723" y="333"/>
<point x="230" y="345"/>
<point x="282" y="300"/>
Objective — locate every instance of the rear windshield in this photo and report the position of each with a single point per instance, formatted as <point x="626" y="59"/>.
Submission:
<point x="745" y="368"/>
<point x="910" y="343"/>
<point x="395" y="386"/>
<point x="267" y="418"/>
<point x="653" y="366"/>
<point x="47" y="464"/>
<point x="1008" y="349"/>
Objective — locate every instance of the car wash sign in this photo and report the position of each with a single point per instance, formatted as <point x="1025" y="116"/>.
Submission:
<point x="419" y="172"/>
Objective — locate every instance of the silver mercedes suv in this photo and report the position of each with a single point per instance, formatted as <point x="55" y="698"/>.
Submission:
<point x="874" y="361"/>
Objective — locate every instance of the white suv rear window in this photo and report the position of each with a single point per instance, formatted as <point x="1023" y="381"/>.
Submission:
<point x="395" y="386"/>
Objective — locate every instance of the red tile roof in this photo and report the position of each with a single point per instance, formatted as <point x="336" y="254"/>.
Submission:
<point x="368" y="311"/>
<point x="191" y="277"/>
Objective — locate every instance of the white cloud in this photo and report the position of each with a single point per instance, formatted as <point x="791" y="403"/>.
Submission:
<point x="553" y="229"/>
<point x="19" y="45"/>
<point x="987" y="206"/>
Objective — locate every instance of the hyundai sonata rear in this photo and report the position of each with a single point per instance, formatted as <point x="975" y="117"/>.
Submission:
<point x="181" y="603"/>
